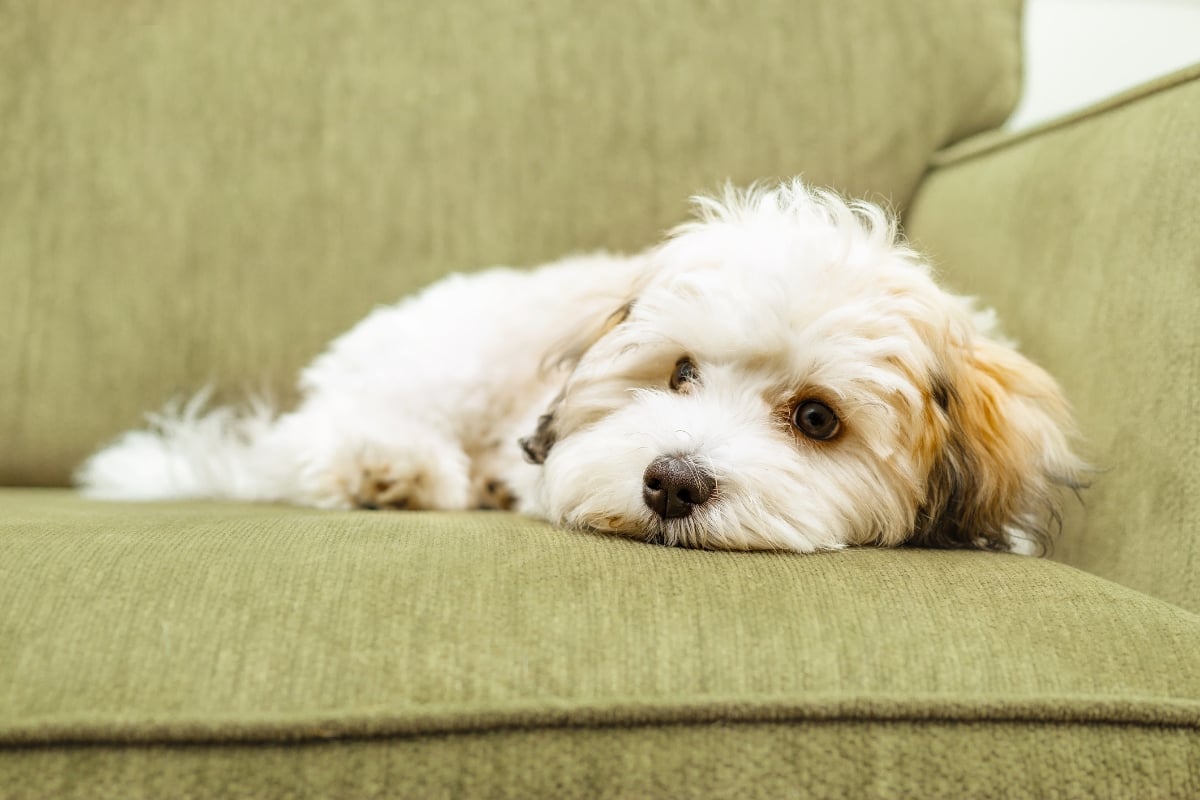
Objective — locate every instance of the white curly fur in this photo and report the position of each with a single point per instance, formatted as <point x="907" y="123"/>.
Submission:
<point x="777" y="295"/>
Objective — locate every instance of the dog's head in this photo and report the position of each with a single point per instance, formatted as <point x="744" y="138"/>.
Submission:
<point x="789" y="376"/>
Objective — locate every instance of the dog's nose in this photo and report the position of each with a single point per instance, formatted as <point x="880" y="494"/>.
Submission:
<point x="673" y="486"/>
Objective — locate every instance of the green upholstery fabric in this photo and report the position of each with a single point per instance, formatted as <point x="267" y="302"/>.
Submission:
<point x="220" y="650"/>
<point x="209" y="191"/>
<point x="1086" y="236"/>
<point x="822" y="759"/>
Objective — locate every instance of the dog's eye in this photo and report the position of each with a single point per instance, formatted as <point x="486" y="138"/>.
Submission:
<point x="684" y="374"/>
<point x="815" y="420"/>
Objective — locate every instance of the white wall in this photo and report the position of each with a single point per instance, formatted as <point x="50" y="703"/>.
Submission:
<point x="1081" y="51"/>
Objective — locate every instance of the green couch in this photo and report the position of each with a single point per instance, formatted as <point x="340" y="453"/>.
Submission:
<point x="195" y="192"/>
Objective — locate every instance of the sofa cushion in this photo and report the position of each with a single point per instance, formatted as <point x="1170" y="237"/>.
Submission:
<point x="1084" y="234"/>
<point x="228" y="648"/>
<point x="210" y="191"/>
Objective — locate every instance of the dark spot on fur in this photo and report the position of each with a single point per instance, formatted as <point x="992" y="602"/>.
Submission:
<point x="954" y="516"/>
<point x="537" y="446"/>
<point x="949" y="518"/>
<point x="497" y="497"/>
<point x="942" y="392"/>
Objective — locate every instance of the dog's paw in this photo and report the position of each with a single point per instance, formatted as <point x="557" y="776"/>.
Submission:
<point x="375" y="477"/>
<point x="435" y="479"/>
<point x="384" y="486"/>
<point x="493" y="494"/>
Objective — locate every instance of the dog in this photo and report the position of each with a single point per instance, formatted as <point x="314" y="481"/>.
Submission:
<point x="782" y="372"/>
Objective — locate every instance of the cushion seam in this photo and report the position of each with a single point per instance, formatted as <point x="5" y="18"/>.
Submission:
<point x="1131" y="712"/>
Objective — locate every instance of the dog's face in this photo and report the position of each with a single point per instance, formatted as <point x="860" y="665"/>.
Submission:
<point x="789" y="376"/>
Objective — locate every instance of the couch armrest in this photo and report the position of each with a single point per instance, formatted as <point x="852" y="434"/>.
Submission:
<point x="1085" y="235"/>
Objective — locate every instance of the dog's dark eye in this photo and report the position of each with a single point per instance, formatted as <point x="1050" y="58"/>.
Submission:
<point x="815" y="420"/>
<point x="684" y="374"/>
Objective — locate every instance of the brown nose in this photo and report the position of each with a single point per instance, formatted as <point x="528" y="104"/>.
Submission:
<point x="673" y="486"/>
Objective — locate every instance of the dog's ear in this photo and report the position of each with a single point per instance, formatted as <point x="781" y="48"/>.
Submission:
<point x="537" y="445"/>
<point x="568" y="351"/>
<point x="1004" y="452"/>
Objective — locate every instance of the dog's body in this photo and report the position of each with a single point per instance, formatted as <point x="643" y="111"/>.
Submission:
<point x="781" y="373"/>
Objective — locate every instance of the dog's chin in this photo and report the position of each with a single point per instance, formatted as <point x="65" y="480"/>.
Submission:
<point x="691" y="531"/>
<point x="696" y="532"/>
<point x="727" y="522"/>
<point x="713" y="527"/>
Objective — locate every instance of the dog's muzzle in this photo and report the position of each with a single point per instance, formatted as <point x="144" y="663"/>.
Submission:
<point x="672" y="487"/>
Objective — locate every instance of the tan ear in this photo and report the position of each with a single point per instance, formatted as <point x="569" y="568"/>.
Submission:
<point x="1005" y="454"/>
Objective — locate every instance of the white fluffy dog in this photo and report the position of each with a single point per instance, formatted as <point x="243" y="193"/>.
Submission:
<point x="780" y="373"/>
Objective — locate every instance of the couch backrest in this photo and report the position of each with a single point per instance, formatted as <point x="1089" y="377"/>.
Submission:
<point x="208" y="191"/>
<point x="1086" y="236"/>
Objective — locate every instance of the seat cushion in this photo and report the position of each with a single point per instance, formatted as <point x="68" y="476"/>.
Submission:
<point x="210" y="191"/>
<point x="217" y="650"/>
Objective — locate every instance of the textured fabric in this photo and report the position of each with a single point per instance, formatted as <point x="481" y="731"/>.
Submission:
<point x="463" y="654"/>
<point x="1085" y="234"/>
<point x="860" y="760"/>
<point x="196" y="191"/>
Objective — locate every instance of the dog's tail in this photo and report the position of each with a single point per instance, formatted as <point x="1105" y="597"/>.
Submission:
<point x="186" y="453"/>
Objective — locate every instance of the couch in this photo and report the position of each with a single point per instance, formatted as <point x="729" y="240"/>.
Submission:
<point x="199" y="193"/>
